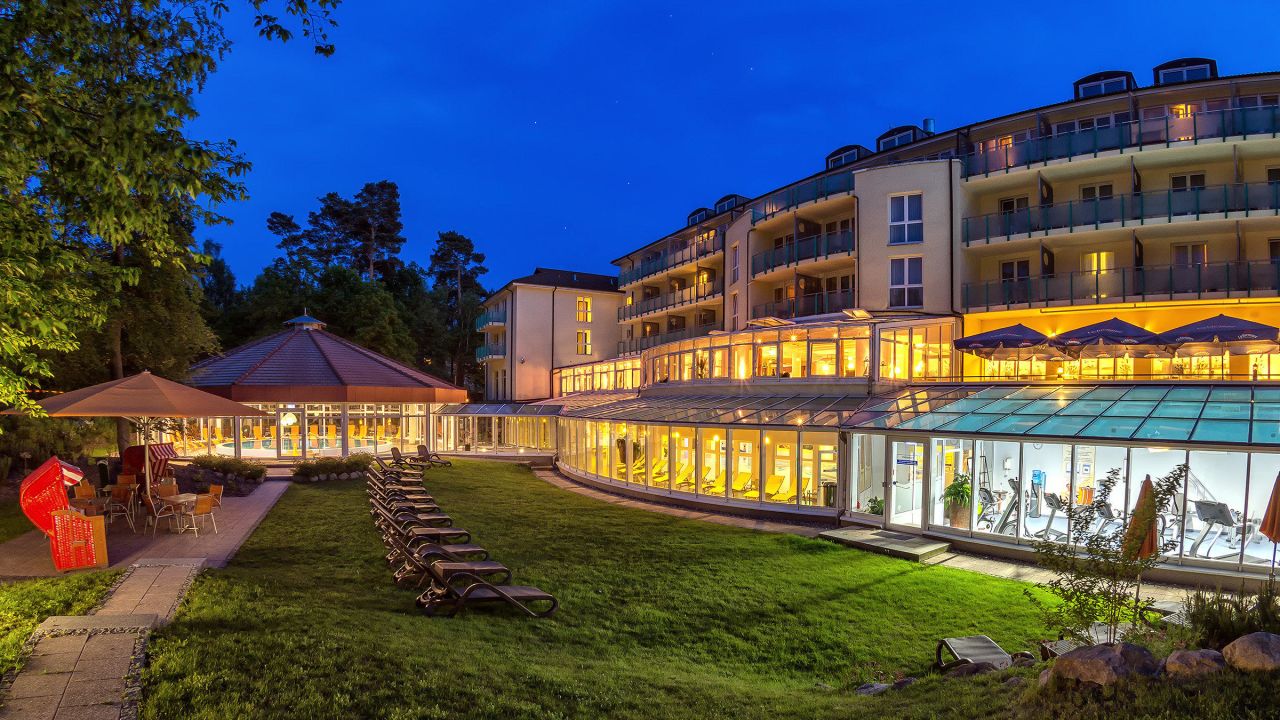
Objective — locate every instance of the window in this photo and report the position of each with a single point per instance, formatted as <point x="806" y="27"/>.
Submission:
<point x="584" y="342"/>
<point x="1008" y="206"/>
<point x="1096" y="192"/>
<point x="584" y="309"/>
<point x="1015" y="270"/>
<point x="1103" y="87"/>
<point x="906" y="282"/>
<point x="1184" y="74"/>
<point x="1187" y="181"/>
<point x="906" y="222"/>
<point x="1274" y="246"/>
<point x="734" y="305"/>
<point x="893" y="141"/>
<point x="1253" y="101"/>
<point x="845" y="157"/>
<point x="726" y="205"/>
<point x="734" y="263"/>
<point x="1096" y="262"/>
<point x="697" y="217"/>
<point x="1273" y="175"/>
<point x="1189" y="254"/>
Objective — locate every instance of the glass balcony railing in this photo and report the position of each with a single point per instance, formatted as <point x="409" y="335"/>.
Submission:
<point x="490" y="352"/>
<point x="815" y="246"/>
<point x="497" y="316"/>
<point x="693" y="293"/>
<point x="1243" y="278"/>
<point x="1136" y="135"/>
<point x="668" y="259"/>
<point x="805" y="305"/>
<point x="819" y="188"/>
<point x="634" y="345"/>
<point x="1241" y="200"/>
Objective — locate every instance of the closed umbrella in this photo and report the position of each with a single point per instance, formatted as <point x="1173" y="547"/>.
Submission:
<point x="143" y="399"/>
<point x="1141" y="538"/>
<point x="1271" y="522"/>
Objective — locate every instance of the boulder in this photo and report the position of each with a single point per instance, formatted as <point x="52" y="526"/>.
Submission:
<point x="969" y="669"/>
<point x="1023" y="661"/>
<point x="1015" y="682"/>
<point x="904" y="682"/>
<point x="1105" y="664"/>
<point x="1258" y="652"/>
<point x="872" y="688"/>
<point x="1193" y="663"/>
<point x="1045" y="675"/>
<point x="344" y="476"/>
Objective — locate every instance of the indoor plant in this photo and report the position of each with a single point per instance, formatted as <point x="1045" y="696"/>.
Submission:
<point x="956" y="498"/>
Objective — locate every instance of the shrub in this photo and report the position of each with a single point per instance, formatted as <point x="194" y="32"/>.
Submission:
<point x="231" y="466"/>
<point x="1215" y="618"/>
<point x="323" y="466"/>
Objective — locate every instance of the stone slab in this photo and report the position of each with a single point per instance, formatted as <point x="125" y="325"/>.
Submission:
<point x="886" y="542"/>
<point x="105" y="623"/>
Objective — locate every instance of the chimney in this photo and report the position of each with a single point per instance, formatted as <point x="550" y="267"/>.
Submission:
<point x="928" y="126"/>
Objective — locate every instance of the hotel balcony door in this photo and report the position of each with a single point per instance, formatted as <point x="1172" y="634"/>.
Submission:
<point x="906" y="485"/>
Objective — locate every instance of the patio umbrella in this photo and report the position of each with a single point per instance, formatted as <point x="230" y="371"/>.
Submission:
<point x="1141" y="538"/>
<point x="997" y="344"/>
<point x="1236" y="336"/>
<point x="1107" y="338"/>
<point x="1271" y="522"/>
<point x="144" y="399"/>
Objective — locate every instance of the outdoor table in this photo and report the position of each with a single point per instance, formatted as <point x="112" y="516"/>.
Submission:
<point x="181" y="500"/>
<point x="91" y="506"/>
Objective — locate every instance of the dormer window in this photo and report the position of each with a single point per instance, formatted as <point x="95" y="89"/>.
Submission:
<point x="1184" y="74"/>
<point x="842" y="158"/>
<point x="897" y="139"/>
<point x="726" y="205"/>
<point x="698" y="217"/>
<point x="1103" y="87"/>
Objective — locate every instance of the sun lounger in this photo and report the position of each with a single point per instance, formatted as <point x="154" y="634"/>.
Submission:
<point x="973" y="649"/>
<point x="432" y="458"/>
<point x="465" y="590"/>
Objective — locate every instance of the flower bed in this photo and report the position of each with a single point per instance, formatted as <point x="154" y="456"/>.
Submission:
<point x="237" y="477"/>
<point x="351" y="467"/>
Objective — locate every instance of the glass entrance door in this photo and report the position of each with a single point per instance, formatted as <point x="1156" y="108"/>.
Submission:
<point x="906" y="483"/>
<point x="289" y="420"/>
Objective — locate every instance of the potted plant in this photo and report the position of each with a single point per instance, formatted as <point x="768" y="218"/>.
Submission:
<point x="956" y="498"/>
<point x="875" y="506"/>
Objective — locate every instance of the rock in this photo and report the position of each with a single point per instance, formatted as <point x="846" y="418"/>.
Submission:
<point x="1193" y="663"/>
<point x="344" y="476"/>
<point x="1023" y="661"/>
<point x="1014" y="682"/>
<point x="1045" y="675"/>
<point x="904" y="682"/>
<point x="1258" y="652"/>
<point x="872" y="688"/>
<point x="969" y="669"/>
<point x="300" y="478"/>
<point x="1105" y="664"/>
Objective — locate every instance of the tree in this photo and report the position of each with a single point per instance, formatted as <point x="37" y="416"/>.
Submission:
<point x="220" y="294"/>
<point x="374" y="223"/>
<point x="362" y="233"/>
<point x="363" y="312"/>
<point x="455" y="271"/>
<point x="94" y="111"/>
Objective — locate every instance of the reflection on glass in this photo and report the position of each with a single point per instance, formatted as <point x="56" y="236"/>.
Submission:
<point x="907" y="485"/>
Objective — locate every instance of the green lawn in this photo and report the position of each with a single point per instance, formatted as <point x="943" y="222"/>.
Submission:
<point x="25" y="604"/>
<point x="12" y="522"/>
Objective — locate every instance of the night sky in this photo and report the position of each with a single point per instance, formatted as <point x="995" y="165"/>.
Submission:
<point x="565" y="134"/>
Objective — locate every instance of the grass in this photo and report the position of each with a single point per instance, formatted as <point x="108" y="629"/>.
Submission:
<point x="12" y="522"/>
<point x="25" y="604"/>
<point x="660" y="618"/>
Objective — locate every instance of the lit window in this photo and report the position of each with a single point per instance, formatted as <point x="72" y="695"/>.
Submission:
<point x="906" y="282"/>
<point x="584" y="309"/>
<point x="906" y="221"/>
<point x="584" y="342"/>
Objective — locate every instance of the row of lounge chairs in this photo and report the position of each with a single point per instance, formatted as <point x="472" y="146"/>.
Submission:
<point x="428" y="553"/>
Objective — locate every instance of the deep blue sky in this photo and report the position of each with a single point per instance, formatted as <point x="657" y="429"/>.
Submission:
<point x="566" y="134"/>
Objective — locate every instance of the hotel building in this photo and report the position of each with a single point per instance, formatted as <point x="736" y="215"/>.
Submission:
<point x="1025" y="304"/>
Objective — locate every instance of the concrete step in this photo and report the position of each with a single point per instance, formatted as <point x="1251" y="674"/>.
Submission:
<point x="887" y="542"/>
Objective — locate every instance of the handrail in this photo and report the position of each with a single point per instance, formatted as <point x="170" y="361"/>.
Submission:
<point x="495" y="316"/>
<point x="819" y="188"/>
<point x="693" y="293"/>
<point x="805" y="305"/>
<point x="1135" y="135"/>
<point x="644" y="343"/>
<point x="808" y="248"/>
<point x="1236" y="278"/>
<point x="1124" y="211"/>
<point x="484" y="352"/>
<point x="668" y="259"/>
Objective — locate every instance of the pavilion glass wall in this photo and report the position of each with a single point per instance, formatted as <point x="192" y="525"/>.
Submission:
<point x="659" y="454"/>
<point x="818" y="469"/>
<point x="780" y="475"/>
<point x="714" y="444"/>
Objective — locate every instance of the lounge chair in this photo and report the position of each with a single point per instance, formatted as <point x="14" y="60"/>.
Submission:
<point x="447" y="599"/>
<point x="786" y="491"/>
<point x="713" y="483"/>
<point x="742" y="482"/>
<point x="684" y="477"/>
<point x="399" y="460"/>
<point x="974" y="649"/>
<point x="772" y="485"/>
<point x="402" y="473"/>
<point x="432" y="458"/>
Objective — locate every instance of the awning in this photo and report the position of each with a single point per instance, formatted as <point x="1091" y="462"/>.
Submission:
<point x="1239" y="337"/>
<point x="1002" y="343"/>
<point x="1109" y="338"/>
<point x="1206" y="414"/>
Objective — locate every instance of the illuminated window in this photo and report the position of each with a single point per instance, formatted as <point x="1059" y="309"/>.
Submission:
<point x="584" y="310"/>
<point x="906" y="282"/>
<point x="584" y="342"/>
<point x="1097" y="262"/>
<point x="906" y="219"/>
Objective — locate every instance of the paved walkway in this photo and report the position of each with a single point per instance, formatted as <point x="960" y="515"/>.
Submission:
<point x="996" y="567"/>
<point x="88" y="667"/>
<point x="28" y="556"/>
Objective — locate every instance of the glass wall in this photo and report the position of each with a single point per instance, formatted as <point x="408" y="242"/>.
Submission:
<point x="684" y="468"/>
<point x="711" y="469"/>
<point x="621" y="374"/>
<point x="907" y="483"/>
<point x="781" y="478"/>
<point x="818" y="468"/>
<point x="919" y="352"/>
<point x="951" y="463"/>
<point x="659" y="456"/>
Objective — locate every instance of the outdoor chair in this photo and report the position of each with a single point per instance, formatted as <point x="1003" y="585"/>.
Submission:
<point x="166" y="490"/>
<point x="974" y="649"/>
<point x="448" y="599"/>
<point x="216" y="492"/>
<point x="433" y="458"/>
<point x="156" y="512"/>
<point x="440" y="564"/>
<point x="201" y="510"/>
<point x="399" y="460"/>
<point x="388" y="469"/>
<point x="121" y="504"/>
<point x="84" y="491"/>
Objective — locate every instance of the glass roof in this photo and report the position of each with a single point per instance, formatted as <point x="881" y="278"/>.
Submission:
<point x="806" y="410"/>
<point x="498" y="409"/>
<point x="1235" y="414"/>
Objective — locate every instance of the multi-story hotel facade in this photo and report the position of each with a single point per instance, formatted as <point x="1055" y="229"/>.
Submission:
<point x="1024" y="305"/>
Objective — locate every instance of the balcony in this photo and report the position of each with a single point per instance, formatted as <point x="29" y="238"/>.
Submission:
<point x="669" y="259"/>
<point x="497" y="316"/>
<point x="805" y="305"/>
<point x="693" y="293"/>
<point x="485" y="353"/>
<point x="1229" y="201"/>
<point x="817" y="189"/>
<point x="1243" y="278"/>
<point x="635" y="345"/>
<point x="810" y="248"/>
<point x="1134" y="136"/>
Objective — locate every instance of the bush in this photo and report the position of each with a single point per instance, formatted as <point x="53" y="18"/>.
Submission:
<point x="40" y="437"/>
<point x="231" y="466"/>
<point x="324" y="466"/>
<point x="1215" y="618"/>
